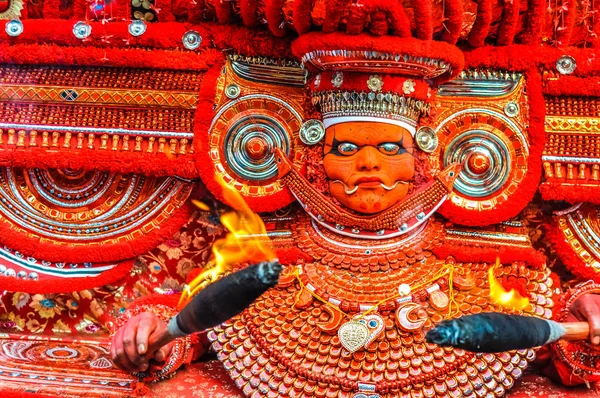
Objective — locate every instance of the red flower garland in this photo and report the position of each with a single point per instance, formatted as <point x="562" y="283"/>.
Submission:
<point x="577" y="192"/>
<point x="274" y="16"/>
<point x="481" y="28"/>
<point x="400" y="24"/>
<point x="544" y="57"/>
<point x="123" y="10"/>
<point x="379" y="24"/>
<point x="423" y="20"/>
<point x="565" y="29"/>
<point x="80" y="9"/>
<point x="223" y="10"/>
<point x="573" y="86"/>
<point x="164" y="10"/>
<point x="51" y="9"/>
<point x="90" y="56"/>
<point x="356" y="20"/>
<point x="112" y="37"/>
<point x="534" y="22"/>
<point x="333" y="14"/>
<point x="566" y="254"/>
<point x="94" y="252"/>
<point x="69" y="285"/>
<point x="596" y="25"/>
<point x="302" y="16"/>
<point x="465" y="253"/>
<point x="454" y="18"/>
<point x="510" y="22"/>
<point x="248" y="12"/>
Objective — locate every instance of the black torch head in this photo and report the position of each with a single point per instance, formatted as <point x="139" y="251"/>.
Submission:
<point x="228" y="296"/>
<point x="491" y="332"/>
<point x="444" y="334"/>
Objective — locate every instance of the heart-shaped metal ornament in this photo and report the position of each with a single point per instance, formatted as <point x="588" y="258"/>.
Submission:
<point x="353" y="335"/>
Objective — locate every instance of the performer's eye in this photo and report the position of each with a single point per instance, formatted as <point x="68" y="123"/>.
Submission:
<point x="390" y="148"/>
<point x="347" y="148"/>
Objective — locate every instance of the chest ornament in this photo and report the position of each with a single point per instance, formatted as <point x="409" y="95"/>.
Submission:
<point x="407" y="302"/>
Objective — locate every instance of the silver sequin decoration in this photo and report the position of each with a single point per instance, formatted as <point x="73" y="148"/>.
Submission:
<point x="232" y="91"/>
<point x="426" y="139"/>
<point x="14" y="28"/>
<point x="566" y="65"/>
<point x="191" y="40"/>
<point x="137" y="28"/>
<point x="511" y="109"/>
<point x="82" y="30"/>
<point x="312" y="132"/>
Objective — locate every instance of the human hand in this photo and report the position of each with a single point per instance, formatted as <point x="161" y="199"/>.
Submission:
<point x="144" y="337"/>
<point x="587" y="308"/>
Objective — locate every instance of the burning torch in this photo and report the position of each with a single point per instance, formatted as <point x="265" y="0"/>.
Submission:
<point x="214" y="297"/>
<point x="497" y="332"/>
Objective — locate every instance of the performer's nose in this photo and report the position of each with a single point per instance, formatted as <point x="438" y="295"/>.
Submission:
<point x="368" y="159"/>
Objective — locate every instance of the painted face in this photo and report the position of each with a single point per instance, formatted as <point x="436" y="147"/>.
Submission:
<point x="368" y="164"/>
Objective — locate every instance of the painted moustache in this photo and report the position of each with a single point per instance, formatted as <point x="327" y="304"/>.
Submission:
<point x="349" y="191"/>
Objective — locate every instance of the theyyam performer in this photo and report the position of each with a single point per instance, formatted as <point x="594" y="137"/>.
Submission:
<point x="349" y="199"/>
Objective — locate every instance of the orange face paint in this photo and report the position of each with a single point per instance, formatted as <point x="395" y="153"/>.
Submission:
<point x="368" y="164"/>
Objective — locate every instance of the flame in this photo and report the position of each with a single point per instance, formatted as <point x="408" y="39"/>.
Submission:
<point x="201" y="205"/>
<point x="500" y="296"/>
<point x="246" y="241"/>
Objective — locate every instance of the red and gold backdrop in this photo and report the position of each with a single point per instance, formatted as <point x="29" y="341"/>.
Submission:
<point x="114" y="114"/>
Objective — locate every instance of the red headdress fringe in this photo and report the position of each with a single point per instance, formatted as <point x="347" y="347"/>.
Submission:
<point x="481" y="28"/>
<point x="509" y="24"/>
<point x="454" y="18"/>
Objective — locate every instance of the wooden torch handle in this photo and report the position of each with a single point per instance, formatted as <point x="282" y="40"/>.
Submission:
<point x="576" y="330"/>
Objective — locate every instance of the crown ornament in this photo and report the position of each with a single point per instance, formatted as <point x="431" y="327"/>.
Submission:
<point x="348" y="105"/>
<point x="390" y="82"/>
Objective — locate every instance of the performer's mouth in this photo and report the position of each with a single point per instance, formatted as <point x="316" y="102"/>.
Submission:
<point x="368" y="183"/>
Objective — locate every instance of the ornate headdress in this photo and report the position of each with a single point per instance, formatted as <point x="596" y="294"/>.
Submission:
<point x="373" y="83"/>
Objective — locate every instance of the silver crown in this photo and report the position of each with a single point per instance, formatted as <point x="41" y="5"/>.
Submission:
<point x="383" y="105"/>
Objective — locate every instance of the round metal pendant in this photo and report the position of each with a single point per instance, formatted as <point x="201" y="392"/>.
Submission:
<point x="137" y="28"/>
<point x="312" y="131"/>
<point x="426" y="139"/>
<point x="566" y="65"/>
<point x="14" y="28"/>
<point x="82" y="30"/>
<point x="191" y="40"/>
<point x="511" y="109"/>
<point x="232" y="91"/>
